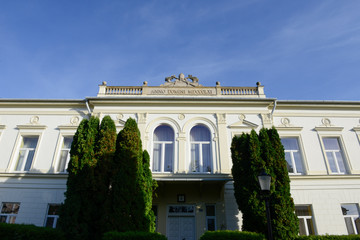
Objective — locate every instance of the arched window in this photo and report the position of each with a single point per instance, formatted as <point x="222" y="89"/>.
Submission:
<point x="163" y="152"/>
<point x="200" y="139"/>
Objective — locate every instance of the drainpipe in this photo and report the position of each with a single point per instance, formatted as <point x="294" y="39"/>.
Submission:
<point x="272" y="112"/>
<point x="87" y="106"/>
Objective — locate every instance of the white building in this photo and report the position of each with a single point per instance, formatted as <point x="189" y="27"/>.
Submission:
<point x="187" y="129"/>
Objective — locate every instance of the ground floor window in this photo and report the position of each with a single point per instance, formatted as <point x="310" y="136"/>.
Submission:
<point x="305" y="216"/>
<point x="351" y="217"/>
<point x="52" y="215"/>
<point x="210" y="218"/>
<point x="9" y="212"/>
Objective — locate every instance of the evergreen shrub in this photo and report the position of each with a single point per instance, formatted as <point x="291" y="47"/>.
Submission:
<point x="133" y="236"/>
<point x="329" y="237"/>
<point x="231" y="235"/>
<point x="28" y="232"/>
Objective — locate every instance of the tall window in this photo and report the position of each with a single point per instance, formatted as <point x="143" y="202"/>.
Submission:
<point x="52" y="215"/>
<point x="293" y="155"/>
<point x="200" y="140"/>
<point x="163" y="152"/>
<point x="306" y="224"/>
<point x="334" y="155"/>
<point x="64" y="154"/>
<point x="210" y="218"/>
<point x="9" y="212"/>
<point x="351" y="217"/>
<point x="26" y="153"/>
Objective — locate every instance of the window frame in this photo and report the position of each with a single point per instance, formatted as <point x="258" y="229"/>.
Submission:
<point x="211" y="146"/>
<point x="17" y="148"/>
<point x="64" y="131"/>
<point x="9" y="215"/>
<point x="301" y="152"/>
<point x="352" y="217"/>
<point x="305" y="218"/>
<point x="210" y="217"/>
<point x="342" y="151"/>
<point x="59" y="151"/>
<point x="47" y="216"/>
<point x="163" y="148"/>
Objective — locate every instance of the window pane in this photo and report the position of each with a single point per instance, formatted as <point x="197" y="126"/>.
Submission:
<point x="210" y="210"/>
<point x="12" y="219"/>
<point x="169" y="157"/>
<point x="302" y="226"/>
<point x="331" y="160"/>
<point x="195" y="158"/>
<point x="20" y="160"/>
<point x="62" y="161"/>
<point x="49" y="222"/>
<point x="30" y="142"/>
<point x="157" y="157"/>
<point x="163" y="133"/>
<point x="211" y="224"/>
<point x="357" y="225"/>
<point x="206" y="157"/>
<point x="298" y="162"/>
<point x="290" y="143"/>
<point x="349" y="225"/>
<point x="288" y="162"/>
<point x="303" y="211"/>
<point x="2" y="219"/>
<point x="199" y="133"/>
<point x="310" y="226"/>
<point x="340" y="161"/>
<point x="67" y="142"/>
<point x="53" y="209"/>
<point x="29" y="160"/>
<point x="331" y="144"/>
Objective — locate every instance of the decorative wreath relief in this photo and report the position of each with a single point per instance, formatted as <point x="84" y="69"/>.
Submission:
<point x="34" y="120"/>
<point x="181" y="116"/>
<point x="326" y="122"/>
<point x="119" y="116"/>
<point x="285" y="122"/>
<point x="74" y="120"/>
<point x="242" y="117"/>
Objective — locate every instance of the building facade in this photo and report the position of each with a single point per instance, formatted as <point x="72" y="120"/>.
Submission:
<point x="187" y="129"/>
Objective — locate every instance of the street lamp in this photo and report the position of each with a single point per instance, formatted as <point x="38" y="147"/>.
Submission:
<point x="264" y="181"/>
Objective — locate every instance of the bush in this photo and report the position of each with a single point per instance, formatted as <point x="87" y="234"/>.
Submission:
<point x="329" y="237"/>
<point x="133" y="236"/>
<point x="28" y="232"/>
<point x="231" y="235"/>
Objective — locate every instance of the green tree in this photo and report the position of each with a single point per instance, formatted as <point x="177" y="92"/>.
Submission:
<point x="76" y="212"/>
<point x="105" y="149"/>
<point x="250" y="154"/>
<point x="132" y="184"/>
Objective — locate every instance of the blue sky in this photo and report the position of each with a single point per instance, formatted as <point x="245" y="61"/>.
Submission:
<point x="300" y="49"/>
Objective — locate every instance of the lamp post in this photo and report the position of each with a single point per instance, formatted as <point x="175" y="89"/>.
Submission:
<point x="264" y="181"/>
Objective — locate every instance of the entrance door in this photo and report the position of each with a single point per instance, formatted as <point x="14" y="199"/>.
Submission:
<point x="181" y="228"/>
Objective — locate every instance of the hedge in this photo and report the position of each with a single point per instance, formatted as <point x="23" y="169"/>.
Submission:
<point x="28" y="232"/>
<point x="133" y="236"/>
<point x="329" y="237"/>
<point x="231" y="235"/>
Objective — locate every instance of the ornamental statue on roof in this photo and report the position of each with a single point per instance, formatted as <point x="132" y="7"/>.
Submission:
<point x="181" y="81"/>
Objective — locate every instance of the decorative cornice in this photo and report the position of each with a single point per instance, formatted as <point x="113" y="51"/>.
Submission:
<point x="2" y="126"/>
<point x="323" y="128"/>
<point x="31" y="126"/>
<point x="283" y="128"/>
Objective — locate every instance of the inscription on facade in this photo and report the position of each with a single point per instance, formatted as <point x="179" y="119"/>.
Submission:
<point x="183" y="91"/>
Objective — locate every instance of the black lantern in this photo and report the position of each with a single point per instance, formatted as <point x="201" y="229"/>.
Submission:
<point x="265" y="181"/>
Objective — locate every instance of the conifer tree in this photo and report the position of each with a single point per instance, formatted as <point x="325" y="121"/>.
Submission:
<point x="131" y="184"/>
<point x="105" y="149"/>
<point x="75" y="216"/>
<point x="251" y="153"/>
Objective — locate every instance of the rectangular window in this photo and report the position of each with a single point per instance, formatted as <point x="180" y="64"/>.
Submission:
<point x="26" y="153"/>
<point x="64" y="154"/>
<point x="334" y="155"/>
<point x="210" y="218"/>
<point x="293" y="155"/>
<point x="351" y="217"/>
<point x="52" y="215"/>
<point x="9" y="212"/>
<point x="304" y="215"/>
